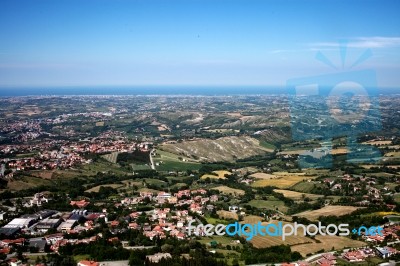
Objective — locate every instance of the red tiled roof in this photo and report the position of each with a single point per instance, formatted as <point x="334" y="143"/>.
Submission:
<point x="5" y="251"/>
<point x="89" y="263"/>
<point x="80" y="203"/>
<point x="325" y="262"/>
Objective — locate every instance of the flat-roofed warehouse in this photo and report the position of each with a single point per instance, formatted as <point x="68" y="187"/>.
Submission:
<point x="9" y="232"/>
<point x="67" y="225"/>
<point x="15" y="226"/>
<point x="20" y="223"/>
<point x="47" y="224"/>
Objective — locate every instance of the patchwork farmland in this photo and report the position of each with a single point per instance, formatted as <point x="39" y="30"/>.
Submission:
<point x="282" y="180"/>
<point x="327" y="211"/>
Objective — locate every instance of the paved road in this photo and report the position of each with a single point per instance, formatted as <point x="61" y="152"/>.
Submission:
<point x="114" y="263"/>
<point x="392" y="243"/>
<point x="151" y="160"/>
<point x="125" y="246"/>
<point x="314" y="257"/>
<point x="36" y="254"/>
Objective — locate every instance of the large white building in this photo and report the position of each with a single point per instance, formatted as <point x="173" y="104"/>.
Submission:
<point x="20" y="223"/>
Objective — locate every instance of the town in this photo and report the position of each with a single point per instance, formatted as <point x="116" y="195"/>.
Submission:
<point x="121" y="184"/>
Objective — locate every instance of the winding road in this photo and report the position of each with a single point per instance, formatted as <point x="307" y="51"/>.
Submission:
<point x="152" y="165"/>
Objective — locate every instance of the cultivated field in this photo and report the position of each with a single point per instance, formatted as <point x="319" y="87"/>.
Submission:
<point x="378" y="142"/>
<point x="251" y="219"/>
<point x="112" y="157"/>
<point x="314" y="171"/>
<point x="227" y="215"/>
<point x="327" y="243"/>
<point x="271" y="204"/>
<point x="129" y="183"/>
<point x="230" y="191"/>
<point x="211" y="176"/>
<point x="304" y="244"/>
<point x="327" y="210"/>
<point x="368" y="166"/>
<point x="284" y="181"/>
<point x="223" y="240"/>
<point x="138" y="167"/>
<point x="392" y="154"/>
<point x="155" y="182"/>
<point x="145" y="189"/>
<point x="97" y="188"/>
<point x="220" y="174"/>
<point x="167" y="156"/>
<point x="304" y="187"/>
<point x="297" y="195"/>
<point x="263" y="176"/>
<point x="287" y="173"/>
<point x="45" y="174"/>
<point x="380" y="214"/>
<point x="269" y="241"/>
<point x="339" y="151"/>
<point x="169" y="161"/>
<point x="26" y="182"/>
<point x="101" y="166"/>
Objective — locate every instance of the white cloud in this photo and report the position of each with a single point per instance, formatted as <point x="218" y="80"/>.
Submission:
<point x="363" y="42"/>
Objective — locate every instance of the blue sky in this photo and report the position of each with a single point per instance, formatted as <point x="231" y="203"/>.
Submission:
<point x="207" y="42"/>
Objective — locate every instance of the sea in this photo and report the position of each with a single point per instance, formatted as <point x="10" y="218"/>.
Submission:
<point x="158" y="90"/>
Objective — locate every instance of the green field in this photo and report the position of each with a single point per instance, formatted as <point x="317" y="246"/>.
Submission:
<point x="144" y="189"/>
<point x="156" y="182"/>
<point x="112" y="157"/>
<point x="304" y="187"/>
<point x="177" y="166"/>
<point x="138" y="167"/>
<point x="212" y="220"/>
<point x="177" y="178"/>
<point x="294" y="195"/>
<point x="81" y="257"/>
<point x="267" y="145"/>
<point x="397" y="197"/>
<point x="97" y="188"/>
<point x="282" y="180"/>
<point x="171" y="162"/>
<point x="223" y="240"/>
<point x="178" y="185"/>
<point x="103" y="166"/>
<point x="270" y="204"/>
<point x="26" y="182"/>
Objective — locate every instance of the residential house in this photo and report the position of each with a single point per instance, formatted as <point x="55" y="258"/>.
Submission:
<point x="156" y="258"/>
<point x="88" y="263"/>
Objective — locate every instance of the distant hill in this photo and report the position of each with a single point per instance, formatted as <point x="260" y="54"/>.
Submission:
<point x="222" y="149"/>
<point x="275" y="135"/>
